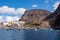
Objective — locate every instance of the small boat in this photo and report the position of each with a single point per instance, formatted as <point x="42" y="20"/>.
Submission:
<point x="36" y="29"/>
<point x="18" y="29"/>
<point x="7" y="29"/>
<point x="51" y="29"/>
<point x="10" y="28"/>
<point x="58" y="30"/>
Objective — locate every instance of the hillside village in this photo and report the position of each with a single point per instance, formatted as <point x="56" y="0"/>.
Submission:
<point x="16" y="24"/>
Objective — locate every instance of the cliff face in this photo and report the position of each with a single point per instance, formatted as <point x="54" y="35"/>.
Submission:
<point x="35" y="16"/>
<point x="43" y="18"/>
<point x="56" y="23"/>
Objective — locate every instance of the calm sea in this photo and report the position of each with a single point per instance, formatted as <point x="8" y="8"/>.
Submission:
<point x="29" y="34"/>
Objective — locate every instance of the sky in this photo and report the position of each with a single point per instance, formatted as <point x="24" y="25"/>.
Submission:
<point x="12" y="10"/>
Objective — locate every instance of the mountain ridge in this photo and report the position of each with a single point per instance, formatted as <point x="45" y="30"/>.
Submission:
<point x="42" y="18"/>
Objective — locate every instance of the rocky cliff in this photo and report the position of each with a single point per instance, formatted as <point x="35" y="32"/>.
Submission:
<point x="56" y="23"/>
<point x="54" y="18"/>
<point x="43" y="18"/>
<point x="35" y="16"/>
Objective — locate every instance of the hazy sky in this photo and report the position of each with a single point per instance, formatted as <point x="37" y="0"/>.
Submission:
<point x="11" y="10"/>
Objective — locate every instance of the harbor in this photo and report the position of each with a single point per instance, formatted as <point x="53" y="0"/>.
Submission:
<point x="29" y="34"/>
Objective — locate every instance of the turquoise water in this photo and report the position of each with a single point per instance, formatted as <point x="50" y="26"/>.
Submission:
<point x="29" y="34"/>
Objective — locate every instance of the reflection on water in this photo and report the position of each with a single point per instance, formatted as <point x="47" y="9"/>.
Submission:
<point x="29" y="34"/>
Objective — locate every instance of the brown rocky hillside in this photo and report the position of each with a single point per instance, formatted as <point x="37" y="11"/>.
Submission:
<point x="35" y="16"/>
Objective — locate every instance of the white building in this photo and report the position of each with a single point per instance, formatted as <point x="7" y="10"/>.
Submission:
<point x="18" y="24"/>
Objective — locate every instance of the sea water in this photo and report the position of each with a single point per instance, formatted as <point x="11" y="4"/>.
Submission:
<point x="29" y="34"/>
